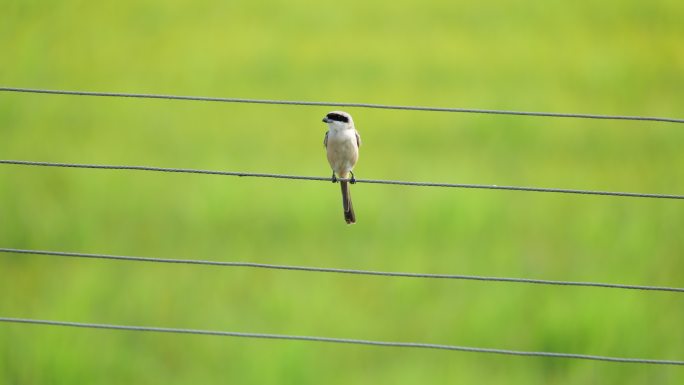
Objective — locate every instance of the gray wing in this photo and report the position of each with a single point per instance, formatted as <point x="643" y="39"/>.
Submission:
<point x="325" y="140"/>
<point x="358" y="139"/>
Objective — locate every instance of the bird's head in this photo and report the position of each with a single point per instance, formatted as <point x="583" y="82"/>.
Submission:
<point x="339" y="120"/>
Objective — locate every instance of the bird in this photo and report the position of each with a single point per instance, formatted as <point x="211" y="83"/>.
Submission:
<point x="342" y="143"/>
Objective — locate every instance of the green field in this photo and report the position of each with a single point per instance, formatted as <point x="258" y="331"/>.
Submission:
<point x="605" y="57"/>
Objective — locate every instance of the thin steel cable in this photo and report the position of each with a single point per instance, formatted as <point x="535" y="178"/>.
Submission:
<point x="341" y="340"/>
<point x="327" y="179"/>
<point x="342" y="271"/>
<point x="338" y="104"/>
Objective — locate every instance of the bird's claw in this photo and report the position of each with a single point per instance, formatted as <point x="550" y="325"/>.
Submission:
<point x="334" y="178"/>
<point x="353" y="178"/>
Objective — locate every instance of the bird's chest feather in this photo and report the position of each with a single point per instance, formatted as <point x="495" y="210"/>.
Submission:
<point x="342" y="140"/>
<point x="342" y="150"/>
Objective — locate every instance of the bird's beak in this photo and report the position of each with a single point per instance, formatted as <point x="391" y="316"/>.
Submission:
<point x="326" y="120"/>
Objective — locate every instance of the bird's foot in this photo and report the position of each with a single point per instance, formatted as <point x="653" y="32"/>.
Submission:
<point x="353" y="178"/>
<point x="334" y="178"/>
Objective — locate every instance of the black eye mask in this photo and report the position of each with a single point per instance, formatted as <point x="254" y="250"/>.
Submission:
<point x="338" y="117"/>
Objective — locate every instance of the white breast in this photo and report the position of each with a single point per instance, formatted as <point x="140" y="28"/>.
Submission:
<point x="343" y="151"/>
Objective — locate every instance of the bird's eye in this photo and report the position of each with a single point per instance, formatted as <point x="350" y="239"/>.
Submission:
<point x="338" y="117"/>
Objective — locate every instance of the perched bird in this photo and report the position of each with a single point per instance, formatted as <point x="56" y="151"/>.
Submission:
<point x="342" y="143"/>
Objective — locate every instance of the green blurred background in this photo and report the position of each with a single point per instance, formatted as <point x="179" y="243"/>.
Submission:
<point x="611" y="57"/>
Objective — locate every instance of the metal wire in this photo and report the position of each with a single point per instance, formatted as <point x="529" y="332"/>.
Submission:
<point x="337" y="104"/>
<point x="342" y="341"/>
<point x="327" y="179"/>
<point x="342" y="271"/>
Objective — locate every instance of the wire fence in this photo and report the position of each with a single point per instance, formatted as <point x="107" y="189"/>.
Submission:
<point x="341" y="271"/>
<point x="338" y="104"/>
<point x="328" y="179"/>
<point x="342" y="341"/>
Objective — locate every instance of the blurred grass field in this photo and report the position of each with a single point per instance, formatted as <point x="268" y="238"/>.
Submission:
<point x="609" y="57"/>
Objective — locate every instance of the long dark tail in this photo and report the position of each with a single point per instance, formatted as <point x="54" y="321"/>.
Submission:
<point x="349" y="216"/>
